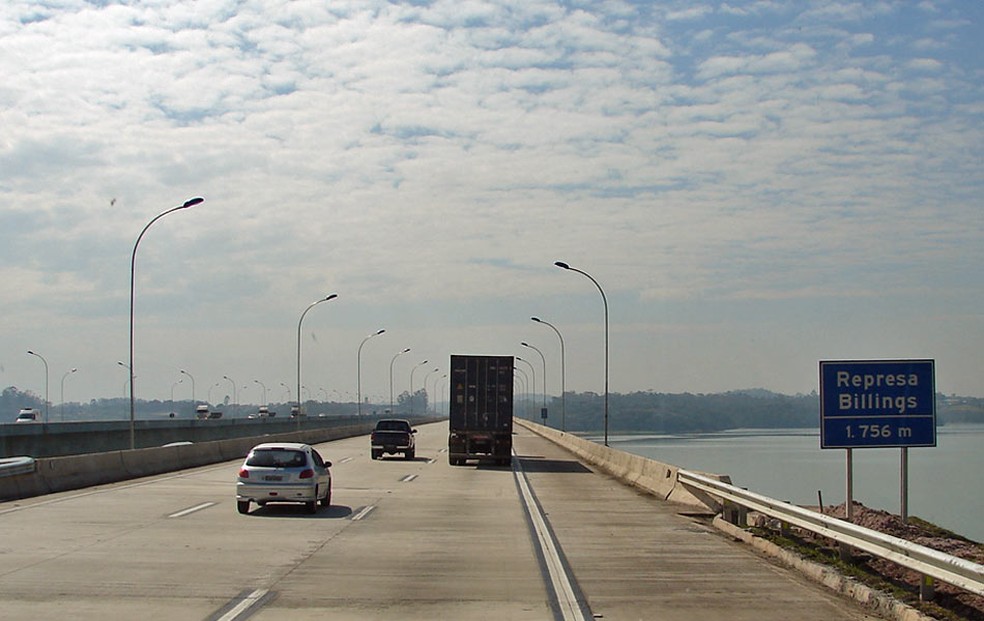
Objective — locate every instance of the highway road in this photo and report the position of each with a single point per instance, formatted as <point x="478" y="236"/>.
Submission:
<point x="545" y="539"/>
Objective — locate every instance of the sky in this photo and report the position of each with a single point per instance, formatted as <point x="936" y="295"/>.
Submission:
<point x="754" y="187"/>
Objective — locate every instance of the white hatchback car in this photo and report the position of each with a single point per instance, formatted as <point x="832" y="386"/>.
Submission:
<point x="284" y="472"/>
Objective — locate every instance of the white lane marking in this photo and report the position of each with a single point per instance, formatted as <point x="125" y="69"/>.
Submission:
<point x="363" y="513"/>
<point x="431" y="461"/>
<point x="570" y="610"/>
<point x="408" y="478"/>
<point x="345" y="460"/>
<point x="247" y="602"/>
<point x="204" y="505"/>
<point x="105" y="488"/>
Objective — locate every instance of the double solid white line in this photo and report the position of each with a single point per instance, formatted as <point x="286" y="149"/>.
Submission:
<point x="244" y="605"/>
<point x="560" y="579"/>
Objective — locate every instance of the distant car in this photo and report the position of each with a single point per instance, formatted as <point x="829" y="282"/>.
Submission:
<point x="393" y="435"/>
<point x="284" y="472"/>
<point x="28" y="415"/>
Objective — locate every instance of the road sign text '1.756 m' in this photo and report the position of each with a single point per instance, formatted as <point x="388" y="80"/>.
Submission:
<point x="877" y="403"/>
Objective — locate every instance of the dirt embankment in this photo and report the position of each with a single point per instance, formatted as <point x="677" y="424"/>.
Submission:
<point x="949" y="602"/>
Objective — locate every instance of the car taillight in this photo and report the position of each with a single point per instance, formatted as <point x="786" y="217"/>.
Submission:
<point x="307" y="474"/>
<point x="244" y="473"/>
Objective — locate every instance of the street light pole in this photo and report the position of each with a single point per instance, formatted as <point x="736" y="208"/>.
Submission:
<point x="235" y="398"/>
<point x="359" y="365"/>
<point x="209" y="400"/>
<point x="45" y="382"/>
<point x="524" y="379"/>
<point x="310" y="306"/>
<point x="429" y="373"/>
<point x="264" y="391"/>
<point x="532" y="382"/>
<point x="67" y="373"/>
<point x="563" y="373"/>
<point x="183" y="372"/>
<point x="544" y="382"/>
<point x="436" y="392"/>
<point x="604" y="299"/>
<point x="133" y="264"/>
<point x="398" y="354"/>
<point x="127" y="367"/>
<point x="411" y="384"/>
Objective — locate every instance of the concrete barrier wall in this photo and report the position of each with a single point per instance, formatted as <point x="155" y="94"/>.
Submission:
<point x="59" y="474"/>
<point x="649" y="475"/>
<point x="74" y="438"/>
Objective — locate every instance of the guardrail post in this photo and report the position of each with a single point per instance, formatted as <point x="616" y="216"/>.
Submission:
<point x="729" y="512"/>
<point x="927" y="588"/>
<point x="784" y="526"/>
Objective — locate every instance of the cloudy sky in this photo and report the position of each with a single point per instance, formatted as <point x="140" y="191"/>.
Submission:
<point x="756" y="186"/>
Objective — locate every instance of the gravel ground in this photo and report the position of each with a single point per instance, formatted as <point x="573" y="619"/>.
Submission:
<point x="950" y="602"/>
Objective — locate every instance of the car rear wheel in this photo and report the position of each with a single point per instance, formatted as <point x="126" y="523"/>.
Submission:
<point x="326" y="501"/>
<point x="243" y="506"/>
<point x="312" y="506"/>
<point x="410" y="454"/>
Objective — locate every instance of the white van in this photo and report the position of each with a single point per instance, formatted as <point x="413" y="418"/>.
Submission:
<point x="29" y="415"/>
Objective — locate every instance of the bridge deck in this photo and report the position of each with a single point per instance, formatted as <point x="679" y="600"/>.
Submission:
<point x="403" y="540"/>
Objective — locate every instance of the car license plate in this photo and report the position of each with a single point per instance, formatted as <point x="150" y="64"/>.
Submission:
<point x="273" y="477"/>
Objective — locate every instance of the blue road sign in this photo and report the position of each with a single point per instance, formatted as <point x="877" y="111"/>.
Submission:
<point x="877" y="403"/>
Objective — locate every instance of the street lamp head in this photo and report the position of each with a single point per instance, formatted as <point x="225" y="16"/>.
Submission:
<point x="405" y="350"/>
<point x="330" y="297"/>
<point x="380" y="332"/>
<point x="537" y="319"/>
<point x="191" y="202"/>
<point x="563" y="265"/>
<point x="524" y="344"/>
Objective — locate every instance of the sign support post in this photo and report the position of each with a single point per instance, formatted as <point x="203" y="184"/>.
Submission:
<point x="878" y="404"/>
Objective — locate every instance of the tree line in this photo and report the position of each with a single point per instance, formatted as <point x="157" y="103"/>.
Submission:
<point x="631" y="412"/>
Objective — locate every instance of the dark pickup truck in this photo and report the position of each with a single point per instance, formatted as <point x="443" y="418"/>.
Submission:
<point x="393" y="436"/>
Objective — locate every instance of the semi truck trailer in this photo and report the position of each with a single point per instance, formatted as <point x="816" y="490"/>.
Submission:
<point x="481" y="411"/>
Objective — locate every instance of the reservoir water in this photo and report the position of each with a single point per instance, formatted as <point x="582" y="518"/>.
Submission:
<point x="946" y="482"/>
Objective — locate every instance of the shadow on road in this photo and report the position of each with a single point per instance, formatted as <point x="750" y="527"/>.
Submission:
<point x="287" y="510"/>
<point x="540" y="464"/>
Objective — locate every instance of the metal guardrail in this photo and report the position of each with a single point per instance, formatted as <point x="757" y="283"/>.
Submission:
<point x="11" y="466"/>
<point x="947" y="568"/>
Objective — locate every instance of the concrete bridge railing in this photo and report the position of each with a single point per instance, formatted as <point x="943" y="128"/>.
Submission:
<point x="649" y="475"/>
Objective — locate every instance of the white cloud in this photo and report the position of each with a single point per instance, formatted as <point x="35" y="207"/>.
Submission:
<point x="428" y="160"/>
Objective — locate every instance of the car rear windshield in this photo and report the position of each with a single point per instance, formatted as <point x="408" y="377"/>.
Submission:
<point x="277" y="458"/>
<point x="392" y="425"/>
